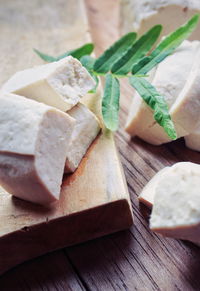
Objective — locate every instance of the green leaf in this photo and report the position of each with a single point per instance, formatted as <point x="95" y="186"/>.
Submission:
<point x="156" y="102"/>
<point x="45" y="57"/>
<point x="86" y="49"/>
<point x="104" y="63"/>
<point x="88" y="62"/>
<point x="110" y="102"/>
<point x="166" y="47"/>
<point x="138" y="50"/>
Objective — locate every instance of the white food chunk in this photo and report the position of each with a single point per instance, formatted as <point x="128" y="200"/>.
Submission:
<point x="185" y="110"/>
<point x="176" y="208"/>
<point x="148" y="192"/>
<point x="140" y="15"/>
<point x="59" y="84"/>
<point x="171" y="79"/>
<point x="33" y="148"/>
<point x="86" y="129"/>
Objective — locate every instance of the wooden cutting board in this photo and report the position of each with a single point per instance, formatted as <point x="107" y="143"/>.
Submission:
<point x="94" y="200"/>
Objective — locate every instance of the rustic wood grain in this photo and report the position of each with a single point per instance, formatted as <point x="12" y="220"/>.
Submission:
<point x="94" y="201"/>
<point x="135" y="259"/>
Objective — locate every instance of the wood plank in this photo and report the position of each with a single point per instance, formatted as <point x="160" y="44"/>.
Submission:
<point x="94" y="196"/>
<point x="52" y="272"/>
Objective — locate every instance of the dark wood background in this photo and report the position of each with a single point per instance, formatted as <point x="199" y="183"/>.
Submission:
<point x="135" y="259"/>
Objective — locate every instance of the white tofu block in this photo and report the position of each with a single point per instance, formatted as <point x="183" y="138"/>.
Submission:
<point x="59" y="84"/>
<point x="140" y="15"/>
<point x="186" y="108"/>
<point x="148" y="192"/>
<point x="33" y="148"/>
<point x="86" y="129"/>
<point x="170" y="80"/>
<point x="176" y="208"/>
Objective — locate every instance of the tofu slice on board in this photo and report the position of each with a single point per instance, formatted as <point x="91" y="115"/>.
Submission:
<point x="59" y="84"/>
<point x="86" y="130"/>
<point x="33" y="148"/>
<point x="148" y="192"/>
<point x="170" y="79"/>
<point x="174" y="193"/>
<point x="139" y="15"/>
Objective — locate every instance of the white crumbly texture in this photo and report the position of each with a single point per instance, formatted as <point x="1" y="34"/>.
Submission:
<point x="86" y="129"/>
<point x="148" y="192"/>
<point x="177" y="197"/>
<point x="170" y="80"/>
<point x="20" y="119"/>
<point x="59" y="84"/>
<point x="140" y="15"/>
<point x="33" y="148"/>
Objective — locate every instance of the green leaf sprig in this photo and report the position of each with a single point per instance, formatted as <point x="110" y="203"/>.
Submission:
<point x="78" y="53"/>
<point x="131" y="57"/>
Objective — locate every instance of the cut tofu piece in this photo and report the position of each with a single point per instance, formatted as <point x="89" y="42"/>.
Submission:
<point x="176" y="208"/>
<point x="86" y="129"/>
<point x="33" y="148"/>
<point x="156" y="135"/>
<point x="148" y="192"/>
<point x="192" y="141"/>
<point x="139" y="15"/>
<point x="59" y="84"/>
<point x="185" y="110"/>
<point x="170" y="79"/>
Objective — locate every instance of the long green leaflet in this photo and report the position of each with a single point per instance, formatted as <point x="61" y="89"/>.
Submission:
<point x="156" y="102"/>
<point x="45" y="57"/>
<point x="88" y="62"/>
<point x="138" y="50"/>
<point x="86" y="49"/>
<point x="104" y="63"/>
<point x="166" y="47"/>
<point x="110" y="102"/>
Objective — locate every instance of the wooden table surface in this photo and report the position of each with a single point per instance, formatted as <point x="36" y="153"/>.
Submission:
<point x="135" y="259"/>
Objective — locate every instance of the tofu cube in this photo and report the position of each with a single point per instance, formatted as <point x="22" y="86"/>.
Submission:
<point x="86" y="129"/>
<point x="33" y="148"/>
<point x="59" y="84"/>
